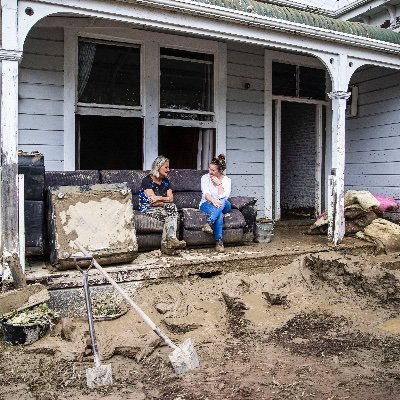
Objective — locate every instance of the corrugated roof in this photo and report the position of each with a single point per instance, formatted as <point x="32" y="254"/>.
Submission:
<point x="307" y="18"/>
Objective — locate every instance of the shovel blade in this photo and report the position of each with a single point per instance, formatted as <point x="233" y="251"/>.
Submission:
<point x="184" y="357"/>
<point x="99" y="376"/>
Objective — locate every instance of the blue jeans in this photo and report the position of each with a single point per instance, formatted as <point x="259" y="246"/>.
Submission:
<point x="216" y="215"/>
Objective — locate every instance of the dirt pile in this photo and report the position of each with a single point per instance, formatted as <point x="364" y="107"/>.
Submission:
<point x="324" y="326"/>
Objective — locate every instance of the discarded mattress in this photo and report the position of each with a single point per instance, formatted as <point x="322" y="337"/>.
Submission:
<point x="99" y="217"/>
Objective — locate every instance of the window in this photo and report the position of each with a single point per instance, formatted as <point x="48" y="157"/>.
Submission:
<point x="108" y="73"/>
<point x="298" y="81"/>
<point x="186" y="84"/>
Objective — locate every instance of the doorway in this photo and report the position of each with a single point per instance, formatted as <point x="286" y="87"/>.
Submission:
<point x="299" y="162"/>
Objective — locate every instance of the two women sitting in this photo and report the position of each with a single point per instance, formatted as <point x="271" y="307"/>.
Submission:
<point x="156" y="200"/>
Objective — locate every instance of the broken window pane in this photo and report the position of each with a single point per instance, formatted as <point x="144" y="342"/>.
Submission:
<point x="108" y="73"/>
<point x="186" y="81"/>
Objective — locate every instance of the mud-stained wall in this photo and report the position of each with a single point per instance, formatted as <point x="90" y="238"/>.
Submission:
<point x="298" y="156"/>
<point x="373" y="136"/>
<point x="245" y="121"/>
<point x="41" y="94"/>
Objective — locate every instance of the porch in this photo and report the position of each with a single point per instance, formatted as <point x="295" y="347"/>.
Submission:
<point x="290" y="241"/>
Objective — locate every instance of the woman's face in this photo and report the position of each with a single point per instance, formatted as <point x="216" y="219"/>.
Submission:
<point x="213" y="170"/>
<point x="164" y="170"/>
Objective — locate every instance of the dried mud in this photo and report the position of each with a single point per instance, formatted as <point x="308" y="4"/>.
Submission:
<point x="325" y="326"/>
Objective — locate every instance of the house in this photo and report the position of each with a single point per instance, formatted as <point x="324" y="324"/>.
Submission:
<point x="100" y="84"/>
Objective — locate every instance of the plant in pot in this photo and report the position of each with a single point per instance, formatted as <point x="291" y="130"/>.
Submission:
<point x="25" y="326"/>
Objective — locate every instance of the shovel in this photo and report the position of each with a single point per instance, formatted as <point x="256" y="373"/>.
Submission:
<point x="100" y="375"/>
<point x="183" y="357"/>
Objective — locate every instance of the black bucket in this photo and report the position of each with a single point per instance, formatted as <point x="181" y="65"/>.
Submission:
<point x="23" y="334"/>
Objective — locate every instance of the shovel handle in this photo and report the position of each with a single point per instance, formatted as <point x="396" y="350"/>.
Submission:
<point x="138" y="310"/>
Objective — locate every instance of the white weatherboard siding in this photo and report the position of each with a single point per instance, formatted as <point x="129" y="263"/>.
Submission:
<point x="245" y="121"/>
<point x="373" y="137"/>
<point x="41" y="96"/>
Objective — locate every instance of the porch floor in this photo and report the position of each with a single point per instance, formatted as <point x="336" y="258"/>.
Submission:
<point x="288" y="243"/>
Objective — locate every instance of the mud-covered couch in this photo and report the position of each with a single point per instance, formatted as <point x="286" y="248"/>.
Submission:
<point x="238" y="224"/>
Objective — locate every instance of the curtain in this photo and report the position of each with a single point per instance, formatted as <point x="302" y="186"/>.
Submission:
<point x="205" y="149"/>
<point x="87" y="51"/>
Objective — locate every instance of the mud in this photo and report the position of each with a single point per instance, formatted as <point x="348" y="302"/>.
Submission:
<point x="325" y="326"/>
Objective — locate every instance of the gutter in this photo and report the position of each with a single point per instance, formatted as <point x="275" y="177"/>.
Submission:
<point x="254" y="20"/>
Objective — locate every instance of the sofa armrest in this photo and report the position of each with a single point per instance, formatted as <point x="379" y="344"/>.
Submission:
<point x="242" y="201"/>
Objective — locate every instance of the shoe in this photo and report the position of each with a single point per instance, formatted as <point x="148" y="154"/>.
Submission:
<point x="165" y="249"/>
<point x="207" y="228"/>
<point x="176" y="244"/>
<point x="219" y="247"/>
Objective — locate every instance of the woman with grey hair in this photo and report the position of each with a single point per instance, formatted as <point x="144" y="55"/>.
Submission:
<point x="156" y="200"/>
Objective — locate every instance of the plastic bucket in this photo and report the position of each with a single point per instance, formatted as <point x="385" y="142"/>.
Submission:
<point x="263" y="232"/>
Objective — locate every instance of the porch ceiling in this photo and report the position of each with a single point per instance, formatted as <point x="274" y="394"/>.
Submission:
<point x="307" y="18"/>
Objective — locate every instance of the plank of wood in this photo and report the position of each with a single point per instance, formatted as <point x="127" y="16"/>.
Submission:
<point x="37" y="91"/>
<point x="382" y="131"/>
<point x="43" y="46"/>
<point x="244" y="107"/>
<point x="373" y="156"/>
<point x="389" y="143"/>
<point x="50" y="122"/>
<point x="251" y="132"/>
<point x="249" y="167"/>
<point x="244" y="120"/>
<point x="245" y="144"/>
<point x="28" y="75"/>
<point x="41" y="107"/>
<point x="45" y="62"/>
<point x="382" y="168"/>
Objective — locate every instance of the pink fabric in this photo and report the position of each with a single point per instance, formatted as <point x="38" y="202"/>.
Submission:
<point x="387" y="203"/>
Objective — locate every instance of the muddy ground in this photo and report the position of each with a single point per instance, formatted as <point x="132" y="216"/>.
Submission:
<point x="326" y="326"/>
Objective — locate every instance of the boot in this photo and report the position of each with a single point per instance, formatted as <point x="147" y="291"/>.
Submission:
<point x="169" y="239"/>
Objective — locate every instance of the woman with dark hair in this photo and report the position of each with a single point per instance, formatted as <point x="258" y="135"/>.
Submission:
<point x="216" y="188"/>
<point x="156" y="200"/>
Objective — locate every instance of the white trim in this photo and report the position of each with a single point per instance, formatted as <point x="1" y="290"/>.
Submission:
<point x="299" y="100"/>
<point x="277" y="164"/>
<point x="109" y="112"/>
<point x="187" y="123"/>
<point x="318" y="159"/>
<point x="150" y="43"/>
<point x="150" y="100"/>
<point x="70" y="78"/>
<point x="220" y="91"/>
<point x="185" y="111"/>
<point x="268" y="137"/>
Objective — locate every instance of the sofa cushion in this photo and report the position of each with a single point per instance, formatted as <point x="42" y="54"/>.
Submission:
<point x="241" y="201"/>
<point x="147" y="224"/>
<point x="194" y="219"/>
<point x="71" y="178"/>
<point x="148" y="241"/>
<point x="187" y="199"/>
<point x="199" y="238"/>
<point x="133" y="178"/>
<point x="186" y="180"/>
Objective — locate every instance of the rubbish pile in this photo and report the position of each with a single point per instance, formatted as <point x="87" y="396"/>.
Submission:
<point x="369" y="217"/>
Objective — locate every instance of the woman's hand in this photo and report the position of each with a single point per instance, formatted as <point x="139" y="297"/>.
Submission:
<point x="216" y="181"/>
<point x="217" y="203"/>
